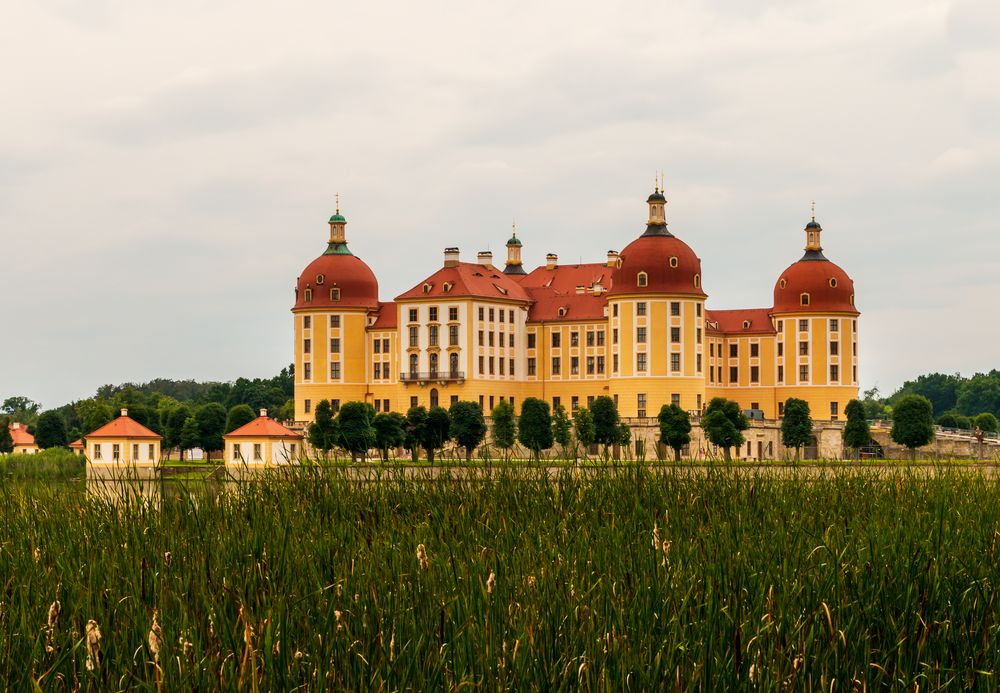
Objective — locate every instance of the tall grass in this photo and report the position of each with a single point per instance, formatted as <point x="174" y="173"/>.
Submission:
<point x="768" y="580"/>
<point x="50" y="464"/>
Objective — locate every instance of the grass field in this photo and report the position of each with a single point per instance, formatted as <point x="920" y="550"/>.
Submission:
<point x="611" y="580"/>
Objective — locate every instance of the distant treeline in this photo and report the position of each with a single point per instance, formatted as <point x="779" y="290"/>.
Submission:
<point x="956" y="400"/>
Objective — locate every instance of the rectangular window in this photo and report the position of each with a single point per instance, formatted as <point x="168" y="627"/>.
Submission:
<point x="378" y="371"/>
<point x="754" y="350"/>
<point x="711" y="348"/>
<point x="854" y="371"/>
<point x="510" y="315"/>
<point x="614" y="362"/>
<point x="675" y="399"/>
<point x="432" y="335"/>
<point x="510" y="340"/>
<point x="531" y="340"/>
<point x="697" y="309"/>
<point x="675" y="335"/>
<point x="501" y="315"/>
<point x="600" y="338"/>
<point x="556" y="365"/>
<point x="781" y="326"/>
<point x="854" y="348"/>
<point x="718" y="375"/>
<point x="307" y="371"/>
<point x="480" y="337"/>
<point x="781" y="348"/>
<point x="574" y="403"/>
<point x="781" y="374"/>
<point x="335" y="322"/>
<point x="697" y="336"/>
<point x="335" y="370"/>
<point x="803" y="325"/>
<point x="377" y="345"/>
<point x="590" y="400"/>
<point x="555" y="402"/>
<point x="675" y="308"/>
<point x="531" y="365"/>
<point x="414" y="401"/>
<point x="501" y="365"/>
<point x="781" y="408"/>
<point x="697" y="362"/>
<point x="432" y="314"/>
<point x="734" y="350"/>
<point x="116" y="451"/>
<point x="481" y="313"/>
<point x="834" y="373"/>
<point x="574" y="365"/>
<point x="640" y="308"/>
<point x="600" y="364"/>
<point x="385" y="345"/>
<point x="306" y="346"/>
<point x="335" y="345"/>
<point x="556" y="340"/>
<point x="385" y="405"/>
<point x="734" y="374"/>
<point x="308" y="406"/>
<point x="378" y="406"/>
<point x="453" y="313"/>
<point x="834" y="327"/>
<point x="590" y="365"/>
<point x="237" y="453"/>
<point x="834" y="348"/>
<point x="803" y="348"/>
<point x="640" y="335"/>
<point x="834" y="410"/>
<point x="491" y="338"/>
<point x="453" y="335"/>
<point x="614" y="310"/>
<point x="491" y="364"/>
<point x="755" y="375"/>
<point x="590" y="338"/>
<point x="574" y="339"/>
<point x="640" y="362"/>
<point x="135" y="452"/>
<point x="152" y="452"/>
<point x="307" y="322"/>
<point x="614" y="336"/>
<point x="492" y="316"/>
<point x="510" y="370"/>
<point x="414" y="336"/>
<point x="482" y="361"/>
<point x="675" y="363"/>
<point x="640" y="404"/>
<point x="454" y="398"/>
<point x="413" y="314"/>
<point x="804" y="374"/>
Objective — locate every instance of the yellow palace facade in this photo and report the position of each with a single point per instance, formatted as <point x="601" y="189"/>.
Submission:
<point x="634" y="327"/>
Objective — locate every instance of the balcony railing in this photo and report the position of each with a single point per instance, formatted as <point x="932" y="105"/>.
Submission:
<point x="428" y="376"/>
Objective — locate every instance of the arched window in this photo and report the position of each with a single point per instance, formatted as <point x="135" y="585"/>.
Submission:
<point x="673" y="262"/>
<point x="434" y="397"/>
<point x="413" y="365"/>
<point x="782" y="283"/>
<point x="320" y="279"/>
<point x="434" y="365"/>
<point x="697" y="281"/>
<point x="804" y="299"/>
<point x="833" y="282"/>
<point x="641" y="279"/>
<point x="453" y="365"/>
<point x="334" y="294"/>
<point x="309" y="294"/>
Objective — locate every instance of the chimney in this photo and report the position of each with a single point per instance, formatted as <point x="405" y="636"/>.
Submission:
<point x="124" y="412"/>
<point x="551" y="261"/>
<point x="15" y="426"/>
<point x="485" y="258"/>
<point x="596" y="289"/>
<point x="581" y="289"/>
<point x="263" y="412"/>
<point x="612" y="258"/>
<point x="451" y="257"/>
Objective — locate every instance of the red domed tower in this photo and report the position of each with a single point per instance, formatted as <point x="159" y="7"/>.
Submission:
<point x="334" y="296"/>
<point x="656" y="308"/>
<point x="816" y="320"/>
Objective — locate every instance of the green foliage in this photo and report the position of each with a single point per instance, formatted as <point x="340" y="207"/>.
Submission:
<point x="416" y="424"/>
<point x="606" y="421"/>
<point x="912" y="422"/>
<point x="20" y="409"/>
<point x="190" y="435"/>
<point x="211" y="419"/>
<point x="940" y="389"/>
<point x="50" y="431"/>
<point x="875" y="406"/>
<point x="980" y="393"/>
<point x="796" y="425"/>
<point x="723" y="424"/>
<point x="948" y="420"/>
<point x="856" y="433"/>
<point x="354" y="425"/>
<point x="6" y="440"/>
<point x="504" y="427"/>
<point x="987" y="422"/>
<point x="435" y="431"/>
<point x="675" y="428"/>
<point x="323" y="433"/>
<point x="49" y="465"/>
<point x="562" y="429"/>
<point x="534" y="427"/>
<point x="241" y="415"/>
<point x="583" y="424"/>
<point x="93" y="414"/>
<point x="389" y="432"/>
<point x="468" y="426"/>
<point x="173" y="425"/>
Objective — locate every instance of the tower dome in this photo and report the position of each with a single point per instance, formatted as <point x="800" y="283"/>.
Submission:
<point x="814" y="284"/>
<point x="337" y="279"/>
<point x="657" y="261"/>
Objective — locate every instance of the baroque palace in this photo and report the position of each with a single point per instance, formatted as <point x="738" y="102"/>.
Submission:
<point x="634" y="327"/>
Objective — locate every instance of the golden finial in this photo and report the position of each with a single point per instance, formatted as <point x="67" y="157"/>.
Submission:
<point x="337" y="196"/>
<point x="814" y="210"/>
<point x="656" y="182"/>
<point x="663" y="188"/>
<point x="513" y="228"/>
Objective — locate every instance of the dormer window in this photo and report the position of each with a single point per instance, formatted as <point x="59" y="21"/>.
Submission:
<point x="309" y="294"/>
<point x="446" y="286"/>
<point x="804" y="299"/>
<point x="673" y="262"/>
<point x="641" y="279"/>
<point x="427" y="288"/>
<point x="562" y="312"/>
<point x="746" y="324"/>
<point x="852" y="299"/>
<point x="833" y="282"/>
<point x="697" y="281"/>
<point x="782" y="283"/>
<point x="320" y="278"/>
<point x="334" y="294"/>
<point x="500" y="289"/>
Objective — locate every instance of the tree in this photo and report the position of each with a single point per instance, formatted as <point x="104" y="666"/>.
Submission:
<point x="435" y="433"/>
<point x="323" y="431"/>
<point x="416" y="422"/>
<point x="980" y="393"/>
<point x="504" y="427"/>
<point x="675" y="428"/>
<point x="796" y="425"/>
<point x="389" y="432"/>
<point x="93" y="414"/>
<point x="942" y="390"/>
<point x="241" y="415"/>
<point x="723" y="424"/>
<point x="624" y="438"/>
<point x="211" y="420"/>
<point x="468" y="427"/>
<point x="6" y="440"/>
<point x="20" y="409"/>
<point x="562" y="429"/>
<point x="354" y="424"/>
<point x="912" y="422"/>
<point x="606" y="422"/>
<point x="583" y="424"/>
<point x="50" y="431"/>
<point x="856" y="434"/>
<point x="875" y="407"/>
<point x="535" y="426"/>
<point x="948" y="420"/>
<point x="190" y="435"/>
<point x="175" y="421"/>
<point x="987" y="422"/>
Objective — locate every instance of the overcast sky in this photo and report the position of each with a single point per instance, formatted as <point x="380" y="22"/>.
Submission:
<point x="167" y="169"/>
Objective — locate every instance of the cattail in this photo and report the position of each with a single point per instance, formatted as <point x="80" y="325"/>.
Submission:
<point x="666" y="552"/>
<point x="753" y="672"/>
<point x="38" y="555"/>
<point x="425" y="564"/>
<point x="54" y="610"/>
<point x="532" y="582"/>
<point x="299" y="656"/>
<point x="155" y="638"/>
<point x="337" y="615"/>
<point x="656" y="537"/>
<point x="392" y="646"/>
<point x="166" y="559"/>
<point x="93" y="645"/>
<point x="491" y="582"/>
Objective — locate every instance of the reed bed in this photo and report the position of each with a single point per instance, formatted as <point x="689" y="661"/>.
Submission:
<point x="604" y="579"/>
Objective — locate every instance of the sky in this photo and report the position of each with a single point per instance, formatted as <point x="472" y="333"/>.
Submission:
<point x="167" y="169"/>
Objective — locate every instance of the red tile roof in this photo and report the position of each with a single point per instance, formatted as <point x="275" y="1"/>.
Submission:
<point x="468" y="279"/>
<point x="555" y="291"/>
<point x="731" y="321"/>
<point x="123" y="427"/>
<point x="77" y="444"/>
<point x="388" y="316"/>
<point x="20" y="435"/>
<point x="263" y="427"/>
<point x="568" y="277"/>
